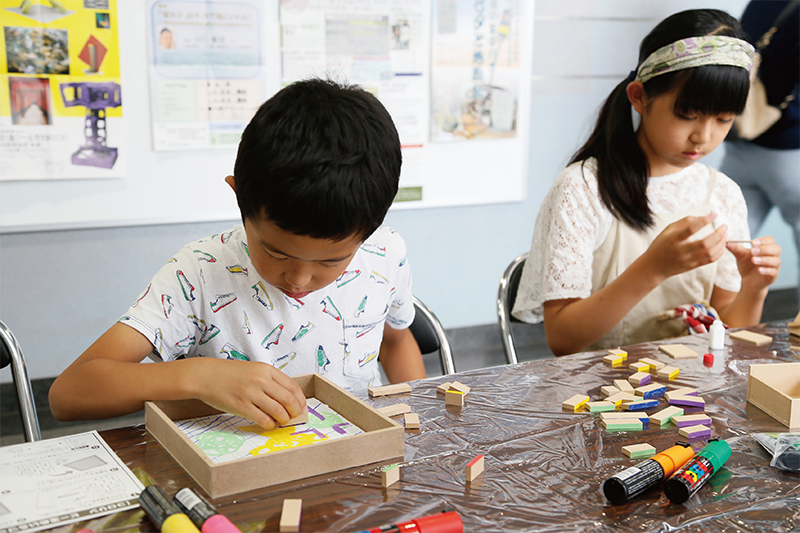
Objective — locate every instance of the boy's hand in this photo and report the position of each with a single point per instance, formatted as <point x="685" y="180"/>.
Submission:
<point x="759" y="265"/>
<point x="257" y="391"/>
<point x="674" y="251"/>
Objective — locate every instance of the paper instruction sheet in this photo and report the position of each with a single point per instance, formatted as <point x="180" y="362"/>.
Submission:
<point x="61" y="481"/>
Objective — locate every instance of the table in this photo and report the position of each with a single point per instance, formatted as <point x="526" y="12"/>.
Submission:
<point x="544" y="466"/>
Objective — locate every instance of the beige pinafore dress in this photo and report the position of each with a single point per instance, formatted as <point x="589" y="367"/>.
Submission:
<point x="621" y="248"/>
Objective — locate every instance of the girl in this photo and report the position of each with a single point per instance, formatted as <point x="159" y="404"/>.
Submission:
<point x="635" y="225"/>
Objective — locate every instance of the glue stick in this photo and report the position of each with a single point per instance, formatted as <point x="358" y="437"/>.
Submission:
<point x="163" y="513"/>
<point x="633" y="481"/>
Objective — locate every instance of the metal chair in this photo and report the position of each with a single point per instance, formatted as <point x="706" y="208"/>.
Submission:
<point x="11" y="353"/>
<point x="430" y="336"/>
<point x="506" y="295"/>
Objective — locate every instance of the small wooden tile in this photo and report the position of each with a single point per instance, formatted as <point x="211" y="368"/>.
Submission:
<point x="640" y="406"/>
<point x="441" y="389"/>
<point x="460" y="387"/>
<point x="300" y="419"/>
<point x="613" y="360"/>
<point x="454" y="397"/>
<point x="623" y="385"/>
<point x="655" y="365"/>
<point x="475" y="468"/>
<point x="664" y="416"/>
<point x="411" y="420"/>
<point x="394" y="409"/>
<point x="695" y="432"/>
<point x="290" y="515"/>
<point x="638" y="366"/>
<point x="639" y="451"/>
<point x="677" y="351"/>
<point x="639" y="379"/>
<point x="623" y="424"/>
<point x="390" y="475"/>
<point x="641" y="416"/>
<point x="668" y="372"/>
<point x="575" y="403"/>
<point x="688" y="401"/>
<point x="397" y="388"/>
<point x="608" y="390"/>
<point x="692" y="420"/>
<point x="653" y="390"/>
<point x="682" y="391"/>
<point x="620" y="396"/>
<point x="619" y="353"/>
<point x="750" y="337"/>
<point x="598" y="407"/>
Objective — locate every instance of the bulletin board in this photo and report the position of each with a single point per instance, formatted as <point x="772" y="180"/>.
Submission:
<point x="472" y="152"/>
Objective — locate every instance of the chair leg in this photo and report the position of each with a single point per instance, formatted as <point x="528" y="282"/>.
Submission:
<point x="30" y="421"/>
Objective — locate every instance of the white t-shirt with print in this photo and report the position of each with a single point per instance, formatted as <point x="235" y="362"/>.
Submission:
<point x="209" y="301"/>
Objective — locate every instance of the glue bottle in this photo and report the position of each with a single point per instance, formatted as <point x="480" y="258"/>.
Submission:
<point x="716" y="335"/>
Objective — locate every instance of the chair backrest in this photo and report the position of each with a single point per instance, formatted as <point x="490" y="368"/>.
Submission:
<point x="11" y="353"/>
<point x="506" y="296"/>
<point x="430" y="336"/>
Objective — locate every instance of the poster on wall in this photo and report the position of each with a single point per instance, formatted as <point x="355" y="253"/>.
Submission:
<point x="60" y="91"/>
<point x="206" y="62"/>
<point x="381" y="45"/>
<point x="476" y="69"/>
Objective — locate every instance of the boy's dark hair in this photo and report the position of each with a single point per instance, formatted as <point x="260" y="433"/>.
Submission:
<point x="320" y="159"/>
<point x="622" y="169"/>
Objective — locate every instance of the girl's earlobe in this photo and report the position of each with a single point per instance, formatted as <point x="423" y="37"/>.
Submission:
<point x="635" y="91"/>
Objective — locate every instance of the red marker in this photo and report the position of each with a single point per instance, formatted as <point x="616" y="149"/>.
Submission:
<point x="448" y="522"/>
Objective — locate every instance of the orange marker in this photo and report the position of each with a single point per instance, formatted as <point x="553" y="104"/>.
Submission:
<point x="633" y="481"/>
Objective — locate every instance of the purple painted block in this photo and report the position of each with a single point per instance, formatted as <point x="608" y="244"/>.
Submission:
<point x="696" y="432"/>
<point x="688" y="402"/>
<point x="685" y="423"/>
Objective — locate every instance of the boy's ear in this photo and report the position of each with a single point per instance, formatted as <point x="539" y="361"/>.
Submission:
<point x="636" y="96"/>
<point x="230" y="180"/>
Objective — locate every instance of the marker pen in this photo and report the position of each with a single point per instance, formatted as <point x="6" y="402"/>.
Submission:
<point x="448" y="522"/>
<point x="696" y="472"/>
<point x="631" y="482"/>
<point x="163" y="513"/>
<point x="202" y="513"/>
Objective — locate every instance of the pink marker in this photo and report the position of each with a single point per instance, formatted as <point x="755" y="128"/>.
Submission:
<point x="204" y="516"/>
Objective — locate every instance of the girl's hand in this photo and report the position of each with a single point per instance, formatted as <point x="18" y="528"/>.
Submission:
<point x="759" y="265"/>
<point x="673" y="251"/>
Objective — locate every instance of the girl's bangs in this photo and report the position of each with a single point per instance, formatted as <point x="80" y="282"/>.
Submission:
<point x="712" y="90"/>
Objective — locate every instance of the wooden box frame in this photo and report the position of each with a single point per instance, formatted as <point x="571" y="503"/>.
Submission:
<point x="382" y="440"/>
<point x="775" y="389"/>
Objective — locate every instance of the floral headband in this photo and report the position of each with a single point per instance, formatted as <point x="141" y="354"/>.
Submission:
<point x="696" y="52"/>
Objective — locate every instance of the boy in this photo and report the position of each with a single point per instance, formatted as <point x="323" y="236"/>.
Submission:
<point x="305" y="284"/>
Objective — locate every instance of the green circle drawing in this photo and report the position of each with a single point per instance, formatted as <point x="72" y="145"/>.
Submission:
<point x="219" y="443"/>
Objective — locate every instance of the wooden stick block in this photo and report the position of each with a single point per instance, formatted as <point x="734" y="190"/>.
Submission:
<point x="608" y="390"/>
<point x="411" y="420"/>
<point x="460" y="387"/>
<point x="682" y="391"/>
<point x="394" y="409"/>
<point x="441" y="389"/>
<point x="475" y="468"/>
<point x="691" y="420"/>
<point x="390" y="475"/>
<point x="620" y="396"/>
<point x="638" y="366"/>
<point x="750" y="337"/>
<point x="619" y="353"/>
<point x="639" y="451"/>
<point x="613" y="360"/>
<point x="623" y="385"/>
<point x="688" y="401"/>
<point x="639" y="406"/>
<point x="651" y="391"/>
<point x="668" y="372"/>
<point x="639" y="379"/>
<point x="397" y="388"/>
<point x="290" y="515"/>
<point x="575" y="403"/>
<point x="623" y="424"/>
<point x="597" y="407"/>
<point x="655" y="364"/>
<point x="454" y="397"/>
<point x="664" y="416"/>
<point x="643" y="417"/>
<point x="677" y="351"/>
<point x="300" y="419"/>
<point x="695" y="432"/>
<point x="794" y="348"/>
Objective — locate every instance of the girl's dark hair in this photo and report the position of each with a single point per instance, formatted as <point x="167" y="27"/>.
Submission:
<point x="622" y="169"/>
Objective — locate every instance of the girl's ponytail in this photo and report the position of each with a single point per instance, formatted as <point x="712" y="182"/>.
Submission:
<point x="621" y="164"/>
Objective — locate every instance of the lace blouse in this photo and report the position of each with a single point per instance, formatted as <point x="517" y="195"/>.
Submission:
<point x="573" y="222"/>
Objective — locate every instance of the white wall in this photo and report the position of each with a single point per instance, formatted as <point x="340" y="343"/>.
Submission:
<point x="60" y="290"/>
